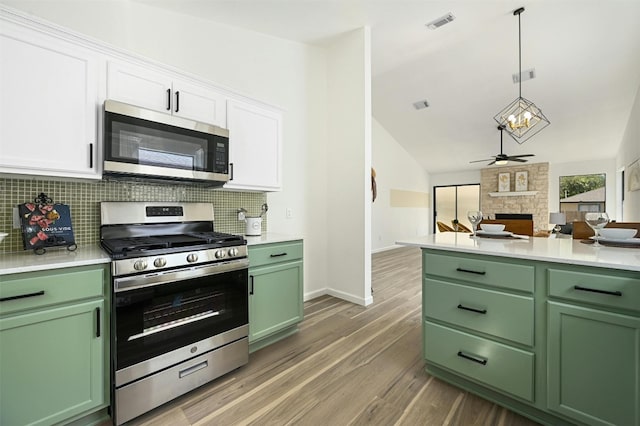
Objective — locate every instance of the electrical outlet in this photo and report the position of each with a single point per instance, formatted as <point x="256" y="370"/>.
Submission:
<point x="16" y="218"/>
<point x="289" y="213"/>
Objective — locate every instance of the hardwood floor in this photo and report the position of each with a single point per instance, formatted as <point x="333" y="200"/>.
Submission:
<point x="348" y="365"/>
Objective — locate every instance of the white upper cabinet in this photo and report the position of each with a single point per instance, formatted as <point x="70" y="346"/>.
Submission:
<point x="255" y="144"/>
<point x="147" y="88"/>
<point x="49" y="104"/>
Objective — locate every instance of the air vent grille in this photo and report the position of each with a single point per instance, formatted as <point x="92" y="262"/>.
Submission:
<point x="437" y="23"/>
<point x="421" y="104"/>
<point x="526" y="75"/>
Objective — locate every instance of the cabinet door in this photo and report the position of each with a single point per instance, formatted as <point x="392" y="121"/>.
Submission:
<point x="52" y="364"/>
<point x="254" y="145"/>
<point x="275" y="298"/>
<point x="48" y="105"/>
<point x="594" y="365"/>
<point x="139" y="86"/>
<point x="199" y="103"/>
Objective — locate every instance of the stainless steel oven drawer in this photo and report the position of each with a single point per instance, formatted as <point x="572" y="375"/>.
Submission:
<point x="146" y="394"/>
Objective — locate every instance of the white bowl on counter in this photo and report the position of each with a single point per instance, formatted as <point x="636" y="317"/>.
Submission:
<point x="617" y="233"/>
<point x="492" y="227"/>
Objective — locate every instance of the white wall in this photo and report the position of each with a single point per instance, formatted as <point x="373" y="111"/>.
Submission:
<point x="396" y="169"/>
<point x="348" y="145"/>
<point x="289" y="75"/>
<point x="629" y="152"/>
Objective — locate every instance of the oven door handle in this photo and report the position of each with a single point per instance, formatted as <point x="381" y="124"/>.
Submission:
<point x="153" y="279"/>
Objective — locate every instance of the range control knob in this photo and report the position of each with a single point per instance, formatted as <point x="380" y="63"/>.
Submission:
<point x="192" y="257"/>
<point x="233" y="252"/>
<point x="140" y="265"/>
<point x="159" y="262"/>
<point x="220" y="254"/>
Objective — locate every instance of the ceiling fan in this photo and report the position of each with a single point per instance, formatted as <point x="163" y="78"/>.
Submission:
<point x="502" y="159"/>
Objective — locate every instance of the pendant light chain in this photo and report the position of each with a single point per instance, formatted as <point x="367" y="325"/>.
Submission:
<point x="519" y="57"/>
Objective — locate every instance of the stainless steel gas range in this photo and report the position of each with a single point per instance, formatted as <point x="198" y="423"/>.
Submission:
<point x="179" y="302"/>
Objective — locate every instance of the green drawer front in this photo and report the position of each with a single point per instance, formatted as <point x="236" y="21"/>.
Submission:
<point x="612" y="291"/>
<point x="506" y="369"/>
<point x="50" y="288"/>
<point x="502" y="315"/>
<point x="274" y="253"/>
<point x="505" y="275"/>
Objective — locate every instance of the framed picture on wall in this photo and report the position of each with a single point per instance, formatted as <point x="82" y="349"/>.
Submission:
<point x="504" y="182"/>
<point x="522" y="181"/>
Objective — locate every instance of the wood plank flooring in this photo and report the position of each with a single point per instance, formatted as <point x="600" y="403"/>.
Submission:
<point x="348" y="365"/>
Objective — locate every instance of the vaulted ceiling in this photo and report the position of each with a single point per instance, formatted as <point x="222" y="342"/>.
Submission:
<point x="586" y="56"/>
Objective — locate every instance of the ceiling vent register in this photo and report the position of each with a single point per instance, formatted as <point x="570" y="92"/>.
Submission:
<point x="443" y="20"/>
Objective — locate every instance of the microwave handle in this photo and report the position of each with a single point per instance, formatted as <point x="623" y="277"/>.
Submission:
<point x="168" y="99"/>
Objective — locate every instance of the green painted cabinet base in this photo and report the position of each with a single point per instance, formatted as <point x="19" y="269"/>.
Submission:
<point x="52" y="358"/>
<point x="594" y="365"/>
<point x="275" y="292"/>
<point x="571" y="357"/>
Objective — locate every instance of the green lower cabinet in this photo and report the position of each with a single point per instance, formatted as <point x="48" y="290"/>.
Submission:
<point x="594" y="365"/>
<point x="52" y="364"/>
<point x="275" y="299"/>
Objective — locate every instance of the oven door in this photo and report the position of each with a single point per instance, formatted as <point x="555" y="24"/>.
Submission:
<point x="148" y="143"/>
<point x="156" y="314"/>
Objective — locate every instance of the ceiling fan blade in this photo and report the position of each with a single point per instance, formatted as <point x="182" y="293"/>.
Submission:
<point x="491" y="163"/>
<point x="519" y="160"/>
<point x="522" y="155"/>
<point x="480" y="161"/>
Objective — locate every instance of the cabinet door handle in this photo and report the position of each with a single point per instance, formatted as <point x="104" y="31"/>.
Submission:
<point x="177" y="101"/>
<point x="466" y="308"/>
<point x="595" y="290"/>
<point x="471" y="271"/>
<point x="91" y="156"/>
<point x="231" y="171"/>
<point x="22" y="296"/>
<point x="250" y="284"/>
<point x="168" y="99"/>
<point x="479" y="360"/>
<point x="98" y="327"/>
<point x="278" y="254"/>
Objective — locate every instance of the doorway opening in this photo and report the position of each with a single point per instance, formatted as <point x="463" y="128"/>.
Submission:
<point x="452" y="202"/>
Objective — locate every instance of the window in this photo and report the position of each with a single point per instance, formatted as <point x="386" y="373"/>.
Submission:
<point x="580" y="194"/>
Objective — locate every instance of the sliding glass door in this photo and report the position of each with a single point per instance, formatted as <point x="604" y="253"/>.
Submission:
<point x="452" y="203"/>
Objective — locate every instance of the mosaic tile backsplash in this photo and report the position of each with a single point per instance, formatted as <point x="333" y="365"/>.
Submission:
<point x="84" y="197"/>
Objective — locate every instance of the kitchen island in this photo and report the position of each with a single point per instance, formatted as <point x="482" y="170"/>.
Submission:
<point x="549" y="328"/>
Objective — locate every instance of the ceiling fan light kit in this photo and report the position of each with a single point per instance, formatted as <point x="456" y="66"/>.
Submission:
<point x="521" y="118"/>
<point x="502" y="158"/>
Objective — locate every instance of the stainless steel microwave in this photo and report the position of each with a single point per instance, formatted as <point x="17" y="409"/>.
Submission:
<point x="150" y="145"/>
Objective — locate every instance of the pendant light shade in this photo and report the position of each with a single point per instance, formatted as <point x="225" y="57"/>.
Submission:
<point x="521" y="118"/>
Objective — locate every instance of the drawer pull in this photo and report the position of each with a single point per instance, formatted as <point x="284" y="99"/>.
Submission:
<point x="472" y="358"/>
<point x="466" y="308"/>
<point x="22" y="296"/>
<point x="191" y="370"/>
<point x="470" y="271"/>
<point x="278" y="255"/>
<point x="595" y="290"/>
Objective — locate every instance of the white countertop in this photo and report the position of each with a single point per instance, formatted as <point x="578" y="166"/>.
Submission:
<point x="54" y="258"/>
<point x="59" y="257"/>
<point x="562" y="250"/>
<point x="270" y="237"/>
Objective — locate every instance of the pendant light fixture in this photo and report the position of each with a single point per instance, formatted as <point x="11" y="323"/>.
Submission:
<point x="521" y="118"/>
